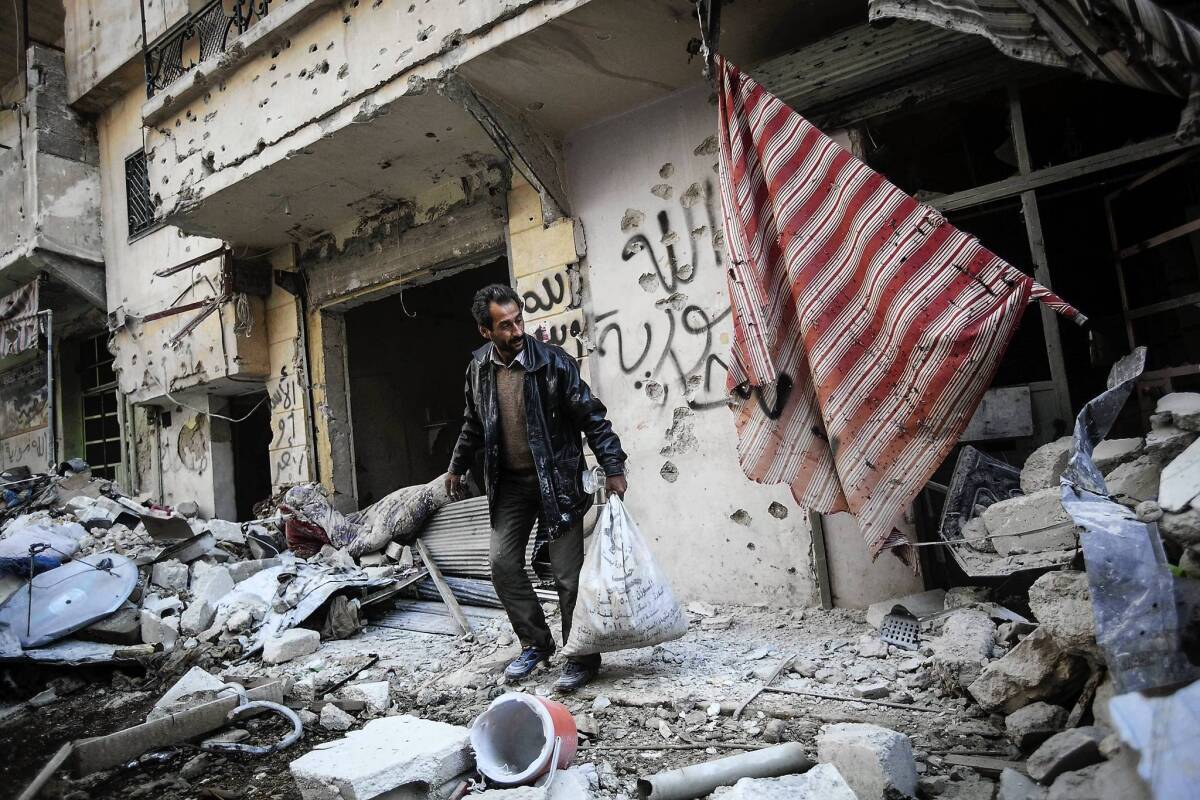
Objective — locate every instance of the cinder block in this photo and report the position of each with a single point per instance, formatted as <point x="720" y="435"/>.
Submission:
<point x="875" y="761"/>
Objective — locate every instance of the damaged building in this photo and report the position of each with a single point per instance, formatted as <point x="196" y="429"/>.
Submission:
<point x="238" y="245"/>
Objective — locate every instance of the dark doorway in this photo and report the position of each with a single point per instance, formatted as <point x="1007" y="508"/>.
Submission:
<point x="251" y="440"/>
<point x="407" y="355"/>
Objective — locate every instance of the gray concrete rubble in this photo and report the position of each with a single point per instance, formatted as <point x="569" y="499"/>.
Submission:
<point x="1111" y="453"/>
<point x="1183" y="408"/>
<point x="1029" y="523"/>
<point x="1036" y="669"/>
<point x="197" y="686"/>
<point x="964" y="647"/>
<point x="1064" y="752"/>
<point x="876" y="762"/>
<point x="1016" y="786"/>
<point x="922" y="604"/>
<point x="1062" y="603"/>
<point x="822" y="782"/>
<point x="1135" y="481"/>
<point x="1045" y="465"/>
<point x="291" y="644"/>
<point x="1028" y="727"/>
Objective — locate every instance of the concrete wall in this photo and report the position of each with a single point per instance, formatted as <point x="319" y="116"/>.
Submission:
<point x="644" y="188"/>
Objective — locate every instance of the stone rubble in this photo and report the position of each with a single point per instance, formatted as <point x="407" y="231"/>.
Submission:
<point x="876" y="762"/>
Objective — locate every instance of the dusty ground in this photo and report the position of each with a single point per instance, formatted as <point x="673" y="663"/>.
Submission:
<point x="652" y="709"/>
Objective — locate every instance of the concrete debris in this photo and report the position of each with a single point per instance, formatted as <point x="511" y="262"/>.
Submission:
<point x="1182" y="529"/>
<point x="1111" y="453"/>
<point x="963" y="649"/>
<point x="1036" y="669"/>
<point x="1029" y="523"/>
<point x="1062" y="603"/>
<point x="1148" y="511"/>
<point x="822" y="782"/>
<point x="1165" y="441"/>
<point x="195" y="687"/>
<point x="1028" y="727"/>
<point x="1183" y="407"/>
<point x="335" y="719"/>
<point x="1135" y="481"/>
<point x="568" y="784"/>
<point x="170" y="575"/>
<point x="876" y="762"/>
<point x="241" y="570"/>
<point x="1180" y="481"/>
<point x="1065" y="752"/>
<point x="1015" y="786"/>
<point x="1045" y="465"/>
<point x="123" y="627"/>
<point x="292" y="643"/>
<point x="385" y="755"/>
<point x="377" y="695"/>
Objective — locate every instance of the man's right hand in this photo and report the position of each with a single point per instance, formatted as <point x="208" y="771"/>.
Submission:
<point x="454" y="486"/>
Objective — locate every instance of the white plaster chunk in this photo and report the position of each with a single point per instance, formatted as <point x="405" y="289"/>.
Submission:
<point x="292" y="643"/>
<point x="225" y="531"/>
<point x="921" y="604"/>
<point x="822" y="782"/>
<point x="170" y="575"/>
<point x="1062" y="602"/>
<point x="194" y="687"/>
<point x="963" y="648"/>
<point x="376" y="695"/>
<point x="876" y="762"/>
<point x="1046" y="464"/>
<point x="569" y="784"/>
<point x="1180" y="481"/>
<point x="1134" y="481"/>
<point x="335" y="719"/>
<point x="1036" y="669"/>
<point x="241" y="570"/>
<point x="1015" y="786"/>
<point x="1184" y="408"/>
<point x="1032" y="523"/>
<point x="1111" y="453"/>
<point x="1167" y="441"/>
<point x="384" y="755"/>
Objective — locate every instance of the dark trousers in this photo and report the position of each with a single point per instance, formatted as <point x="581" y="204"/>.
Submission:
<point x="518" y="504"/>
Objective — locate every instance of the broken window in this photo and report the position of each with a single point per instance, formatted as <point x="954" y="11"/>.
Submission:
<point x="101" y="423"/>
<point x="137" y="194"/>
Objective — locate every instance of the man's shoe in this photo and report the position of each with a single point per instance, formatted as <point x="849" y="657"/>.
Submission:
<point x="575" y="675"/>
<point x="524" y="665"/>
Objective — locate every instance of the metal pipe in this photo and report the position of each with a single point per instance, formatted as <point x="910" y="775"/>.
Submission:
<point x="52" y="409"/>
<point x="702" y="779"/>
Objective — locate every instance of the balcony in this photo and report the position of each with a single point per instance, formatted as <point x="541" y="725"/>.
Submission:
<point x="202" y="35"/>
<point x="50" y="189"/>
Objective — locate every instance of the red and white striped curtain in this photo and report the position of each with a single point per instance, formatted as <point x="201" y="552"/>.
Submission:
<point x="866" y="327"/>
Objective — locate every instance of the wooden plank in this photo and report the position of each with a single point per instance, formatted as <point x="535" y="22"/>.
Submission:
<point x="56" y="761"/>
<point x="103" y="752"/>
<point x="1162" y="238"/>
<point x="1011" y="187"/>
<point x="1005" y="412"/>
<point x="816" y="527"/>
<point x="443" y="588"/>
<point x="985" y="765"/>
<point x="389" y="592"/>
<point x="1166" y="305"/>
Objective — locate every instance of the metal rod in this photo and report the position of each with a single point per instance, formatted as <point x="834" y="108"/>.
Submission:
<point x="737" y="712"/>
<point x="827" y="696"/>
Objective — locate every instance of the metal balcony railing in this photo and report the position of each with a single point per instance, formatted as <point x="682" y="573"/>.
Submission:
<point x="197" y="37"/>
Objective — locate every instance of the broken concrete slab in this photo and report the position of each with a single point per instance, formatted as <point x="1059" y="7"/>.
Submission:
<point x="384" y="755"/>
<point x="170" y="575"/>
<point x="1111" y="453"/>
<point x="872" y="647"/>
<point x="822" y="782"/>
<point x="1030" y="523"/>
<point x="1183" y="528"/>
<point x="1184" y="408"/>
<point x="159" y="628"/>
<point x="1180" y="480"/>
<point x="1062" y="603"/>
<point x="1134" y="481"/>
<point x="124" y="626"/>
<point x="1036" y="669"/>
<point x="1067" y="751"/>
<point x="290" y="644"/>
<point x="335" y="719"/>
<point x="963" y="649"/>
<point x="921" y="604"/>
<point x="225" y="531"/>
<point x="195" y="687"/>
<point x="241" y="570"/>
<point x="376" y="694"/>
<point x="1045" y="465"/>
<point x="1028" y="727"/>
<point x="1164" y="442"/>
<point x="876" y="762"/>
<point x="569" y="784"/>
<point x="1015" y="786"/>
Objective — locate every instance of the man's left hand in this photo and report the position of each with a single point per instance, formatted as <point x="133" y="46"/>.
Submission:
<point x="616" y="484"/>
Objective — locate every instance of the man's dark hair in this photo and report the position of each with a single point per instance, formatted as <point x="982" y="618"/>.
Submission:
<point x="481" y="306"/>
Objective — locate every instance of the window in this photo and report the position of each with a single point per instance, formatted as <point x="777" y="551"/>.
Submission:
<point x="137" y="193"/>
<point x="101" y="425"/>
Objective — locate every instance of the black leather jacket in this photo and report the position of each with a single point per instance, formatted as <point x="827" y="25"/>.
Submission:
<point x="559" y="407"/>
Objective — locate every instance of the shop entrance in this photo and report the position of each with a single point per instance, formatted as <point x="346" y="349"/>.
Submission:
<point x="407" y="354"/>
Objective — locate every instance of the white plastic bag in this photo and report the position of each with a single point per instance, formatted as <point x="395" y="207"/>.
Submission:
<point x="624" y="598"/>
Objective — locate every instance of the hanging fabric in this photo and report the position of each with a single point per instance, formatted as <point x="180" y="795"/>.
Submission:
<point x="866" y="327"/>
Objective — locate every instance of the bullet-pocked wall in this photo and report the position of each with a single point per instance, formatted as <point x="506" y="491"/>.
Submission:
<point x="644" y="187"/>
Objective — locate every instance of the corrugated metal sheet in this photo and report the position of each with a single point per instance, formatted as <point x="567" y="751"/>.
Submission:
<point x="459" y="537"/>
<point x="475" y="592"/>
<point x="865" y="71"/>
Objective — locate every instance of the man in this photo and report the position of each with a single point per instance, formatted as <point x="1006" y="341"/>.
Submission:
<point x="527" y="406"/>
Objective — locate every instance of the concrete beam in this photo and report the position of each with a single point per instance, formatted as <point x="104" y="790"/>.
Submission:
<point x="86" y="279"/>
<point x="527" y="150"/>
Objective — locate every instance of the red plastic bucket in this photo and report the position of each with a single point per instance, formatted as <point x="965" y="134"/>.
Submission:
<point x="515" y="739"/>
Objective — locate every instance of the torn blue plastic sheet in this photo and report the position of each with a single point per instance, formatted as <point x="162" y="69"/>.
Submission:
<point x="1132" y="589"/>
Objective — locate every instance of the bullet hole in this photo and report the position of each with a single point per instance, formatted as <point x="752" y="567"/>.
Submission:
<point x="430" y="135"/>
<point x="263" y="102"/>
<point x="346" y="20"/>
<point x="741" y="517"/>
<point x="677" y="301"/>
<point x="275" y="54"/>
<point x="669" y="472"/>
<point x="303" y="73"/>
<point x="272" y="67"/>
<point x="424" y="33"/>
<point x="655" y="390"/>
<point x="637" y="384"/>
<point x="384" y="164"/>
<point x="377" y="4"/>
<point x="750" y="546"/>
<point x="412" y="8"/>
<point x="681" y="436"/>
<point x="648" y="281"/>
<point x="684" y="272"/>
<point x="666" y="170"/>
<point x="343" y="71"/>
<point x="670" y="238"/>
<point x="632" y="219"/>
<point x="661" y="190"/>
<point x="699" y="231"/>
<point x="312" y="48"/>
<point x="632" y="248"/>
<point x="691" y="196"/>
<point x="707" y="148"/>
<point x="791" y="570"/>
<point x="603" y="36"/>
<point x="777" y="510"/>
<point x="536" y="105"/>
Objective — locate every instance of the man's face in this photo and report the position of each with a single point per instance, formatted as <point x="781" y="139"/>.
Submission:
<point x="507" y="331"/>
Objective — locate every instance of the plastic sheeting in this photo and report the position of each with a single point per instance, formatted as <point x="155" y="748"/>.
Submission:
<point x="1133" y="600"/>
<point x="1164" y="731"/>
